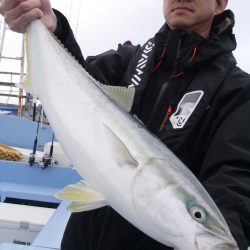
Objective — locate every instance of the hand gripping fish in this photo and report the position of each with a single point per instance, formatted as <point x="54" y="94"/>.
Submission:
<point x="123" y="165"/>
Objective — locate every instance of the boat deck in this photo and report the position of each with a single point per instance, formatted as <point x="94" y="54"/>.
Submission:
<point x="23" y="182"/>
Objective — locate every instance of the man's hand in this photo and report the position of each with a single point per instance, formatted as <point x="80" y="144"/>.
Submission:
<point x="19" y="13"/>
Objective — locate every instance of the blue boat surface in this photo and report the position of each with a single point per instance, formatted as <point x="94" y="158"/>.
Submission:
<point x="33" y="186"/>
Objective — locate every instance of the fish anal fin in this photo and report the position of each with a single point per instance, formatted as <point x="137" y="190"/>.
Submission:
<point x="119" y="151"/>
<point x="76" y="207"/>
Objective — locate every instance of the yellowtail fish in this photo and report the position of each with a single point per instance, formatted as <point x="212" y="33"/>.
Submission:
<point x="123" y="165"/>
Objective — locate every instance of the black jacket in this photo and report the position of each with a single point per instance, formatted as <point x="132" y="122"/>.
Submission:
<point x="191" y="94"/>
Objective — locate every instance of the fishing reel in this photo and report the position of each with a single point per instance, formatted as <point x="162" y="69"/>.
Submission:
<point x="32" y="159"/>
<point x="47" y="161"/>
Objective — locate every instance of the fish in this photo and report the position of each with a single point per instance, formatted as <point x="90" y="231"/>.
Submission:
<point x="122" y="164"/>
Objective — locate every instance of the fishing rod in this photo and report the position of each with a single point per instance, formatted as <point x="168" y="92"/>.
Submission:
<point x="34" y="100"/>
<point x="33" y="154"/>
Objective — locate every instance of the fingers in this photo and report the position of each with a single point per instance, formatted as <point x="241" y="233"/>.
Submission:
<point x="21" y="8"/>
<point x="8" y="4"/>
<point x="20" y="24"/>
<point x="19" y="13"/>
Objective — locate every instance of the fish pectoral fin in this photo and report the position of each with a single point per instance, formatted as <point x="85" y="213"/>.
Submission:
<point x="119" y="151"/>
<point x="82" y="196"/>
<point x="123" y="96"/>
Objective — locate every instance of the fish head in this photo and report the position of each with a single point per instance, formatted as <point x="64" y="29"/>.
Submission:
<point x="178" y="210"/>
<point x="211" y="232"/>
<point x="196" y="227"/>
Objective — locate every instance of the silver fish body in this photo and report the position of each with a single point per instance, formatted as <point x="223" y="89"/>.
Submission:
<point x="117" y="156"/>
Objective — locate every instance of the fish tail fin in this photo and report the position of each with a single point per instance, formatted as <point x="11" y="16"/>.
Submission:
<point x="82" y="196"/>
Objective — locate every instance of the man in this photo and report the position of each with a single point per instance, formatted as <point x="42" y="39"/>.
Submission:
<point x="189" y="92"/>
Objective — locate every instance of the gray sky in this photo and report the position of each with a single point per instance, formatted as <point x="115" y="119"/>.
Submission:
<point x="100" y="25"/>
<point x="104" y="24"/>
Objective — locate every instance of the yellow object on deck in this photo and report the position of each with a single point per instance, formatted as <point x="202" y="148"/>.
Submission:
<point x="9" y="154"/>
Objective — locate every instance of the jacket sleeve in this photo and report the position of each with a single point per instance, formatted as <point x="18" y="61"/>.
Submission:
<point x="226" y="172"/>
<point x="107" y="67"/>
<point x="65" y="34"/>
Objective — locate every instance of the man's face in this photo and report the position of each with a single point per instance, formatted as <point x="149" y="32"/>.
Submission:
<point x="192" y="15"/>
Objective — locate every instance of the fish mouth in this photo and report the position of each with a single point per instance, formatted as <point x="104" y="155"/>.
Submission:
<point x="224" y="246"/>
<point x="199" y="244"/>
<point x="218" y="239"/>
<point x="227" y="238"/>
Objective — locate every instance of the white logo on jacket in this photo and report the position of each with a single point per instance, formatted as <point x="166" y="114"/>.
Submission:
<point x="136" y="79"/>
<point x="185" y="108"/>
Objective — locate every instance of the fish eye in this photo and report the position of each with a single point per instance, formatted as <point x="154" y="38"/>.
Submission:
<point x="198" y="213"/>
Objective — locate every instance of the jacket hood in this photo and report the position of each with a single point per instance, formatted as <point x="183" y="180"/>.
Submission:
<point x="189" y="49"/>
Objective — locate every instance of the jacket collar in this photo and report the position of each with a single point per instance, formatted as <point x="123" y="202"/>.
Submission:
<point x="181" y="58"/>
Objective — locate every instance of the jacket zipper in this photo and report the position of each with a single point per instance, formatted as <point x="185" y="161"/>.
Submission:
<point x="178" y="54"/>
<point x="165" y="86"/>
<point x="157" y="102"/>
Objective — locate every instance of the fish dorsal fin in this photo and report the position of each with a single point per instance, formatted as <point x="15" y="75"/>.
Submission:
<point x="27" y="85"/>
<point x="48" y="37"/>
<point x="123" y="96"/>
<point x="82" y="196"/>
<point x="119" y="151"/>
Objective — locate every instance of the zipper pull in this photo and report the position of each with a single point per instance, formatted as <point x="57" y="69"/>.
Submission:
<point x="166" y="118"/>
